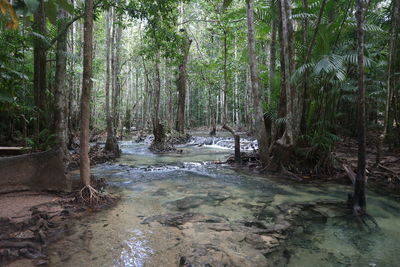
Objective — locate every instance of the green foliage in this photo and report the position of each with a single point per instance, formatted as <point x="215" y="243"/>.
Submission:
<point x="46" y="140"/>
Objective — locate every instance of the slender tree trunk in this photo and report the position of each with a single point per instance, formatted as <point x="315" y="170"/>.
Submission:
<point x="359" y="198"/>
<point x="288" y="137"/>
<point x="303" y="123"/>
<point x="212" y="108"/>
<point x="392" y="69"/>
<point x="60" y="88"/>
<point x="182" y="86"/>
<point x="261" y="133"/>
<point x="117" y="79"/>
<point x="86" y="88"/>
<point x="111" y="142"/>
<point x="225" y="106"/>
<point x="272" y="61"/>
<point x="71" y="90"/>
<point x="39" y="68"/>
<point x="107" y="82"/>
<point x="158" y="129"/>
<point x="170" y="101"/>
<point x="306" y="82"/>
<point x="279" y="129"/>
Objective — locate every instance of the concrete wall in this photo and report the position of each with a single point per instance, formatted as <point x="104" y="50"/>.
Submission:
<point x="37" y="171"/>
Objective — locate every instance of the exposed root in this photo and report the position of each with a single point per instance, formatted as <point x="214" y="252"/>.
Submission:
<point x="89" y="195"/>
<point x="93" y="198"/>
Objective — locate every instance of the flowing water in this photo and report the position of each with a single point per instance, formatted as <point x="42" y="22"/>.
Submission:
<point x="189" y="183"/>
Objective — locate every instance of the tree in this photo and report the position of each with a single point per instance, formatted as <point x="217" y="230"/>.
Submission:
<point x="261" y="133"/>
<point x="116" y="70"/>
<point x="87" y="192"/>
<point x="60" y="87"/>
<point x="359" y="198"/>
<point x="39" y="59"/>
<point x="393" y="68"/>
<point x="111" y="142"/>
<point x="181" y="83"/>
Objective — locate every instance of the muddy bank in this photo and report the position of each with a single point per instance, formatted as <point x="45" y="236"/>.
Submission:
<point x="31" y="220"/>
<point x="384" y="176"/>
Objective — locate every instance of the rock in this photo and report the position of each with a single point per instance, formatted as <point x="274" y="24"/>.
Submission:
<point x="187" y="202"/>
<point x="173" y="219"/>
<point x="219" y="196"/>
<point x="24" y="235"/>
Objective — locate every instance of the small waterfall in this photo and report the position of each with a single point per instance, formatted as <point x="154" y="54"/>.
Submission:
<point x="246" y="144"/>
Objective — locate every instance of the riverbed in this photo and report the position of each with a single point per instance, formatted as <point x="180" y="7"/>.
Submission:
<point x="182" y="209"/>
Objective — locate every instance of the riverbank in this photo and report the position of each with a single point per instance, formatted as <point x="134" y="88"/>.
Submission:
<point x="384" y="176"/>
<point x="32" y="220"/>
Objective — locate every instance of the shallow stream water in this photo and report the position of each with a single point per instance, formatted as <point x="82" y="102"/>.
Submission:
<point x="189" y="182"/>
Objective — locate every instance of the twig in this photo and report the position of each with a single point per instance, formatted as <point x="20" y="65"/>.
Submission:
<point x="350" y="173"/>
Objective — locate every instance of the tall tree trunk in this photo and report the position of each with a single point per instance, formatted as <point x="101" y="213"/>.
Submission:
<point x="117" y="32"/>
<point x="159" y="143"/>
<point x="86" y="88"/>
<point x="261" y="133"/>
<point x="303" y="124"/>
<point x="157" y="128"/>
<point x="393" y="67"/>
<point x="60" y="88"/>
<point x="289" y="135"/>
<point x="225" y="106"/>
<point x="272" y="60"/>
<point x="359" y="198"/>
<point x="39" y="67"/>
<point x="213" y="113"/>
<point x="111" y="142"/>
<point x="182" y="84"/>
<point x="170" y="99"/>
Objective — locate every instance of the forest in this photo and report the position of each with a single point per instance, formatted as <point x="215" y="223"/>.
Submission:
<point x="199" y="132"/>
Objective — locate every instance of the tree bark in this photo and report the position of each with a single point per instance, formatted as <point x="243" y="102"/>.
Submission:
<point x="225" y="106"/>
<point x="288" y="136"/>
<point x="61" y="107"/>
<point x="236" y="138"/>
<point x="359" y="198"/>
<point x="39" y="67"/>
<point x="158" y="129"/>
<point x="116" y="69"/>
<point x="261" y="133"/>
<point x="182" y="86"/>
<point x="272" y="60"/>
<point x="394" y="56"/>
<point x="111" y="141"/>
<point x="86" y="88"/>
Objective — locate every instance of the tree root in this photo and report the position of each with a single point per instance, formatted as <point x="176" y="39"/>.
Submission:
<point x="93" y="198"/>
<point x="89" y="196"/>
<point x="19" y="244"/>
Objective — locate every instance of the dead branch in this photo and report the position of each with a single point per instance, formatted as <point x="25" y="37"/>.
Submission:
<point x="350" y="173"/>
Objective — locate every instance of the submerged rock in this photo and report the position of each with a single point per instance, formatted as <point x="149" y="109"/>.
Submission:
<point x="211" y="240"/>
<point x="176" y="219"/>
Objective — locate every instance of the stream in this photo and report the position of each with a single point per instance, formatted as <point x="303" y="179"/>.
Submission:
<point x="180" y="209"/>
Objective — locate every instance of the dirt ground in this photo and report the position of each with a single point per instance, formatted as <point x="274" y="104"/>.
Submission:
<point x="31" y="220"/>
